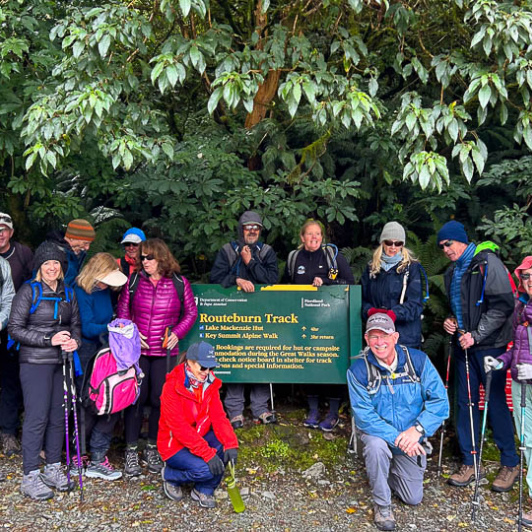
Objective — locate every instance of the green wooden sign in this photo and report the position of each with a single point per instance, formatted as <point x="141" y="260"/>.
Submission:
<point x="280" y="333"/>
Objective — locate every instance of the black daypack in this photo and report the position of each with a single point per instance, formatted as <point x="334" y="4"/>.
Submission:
<point x="331" y="252"/>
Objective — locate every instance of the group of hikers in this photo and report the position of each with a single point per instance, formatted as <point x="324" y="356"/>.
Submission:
<point x="57" y="306"/>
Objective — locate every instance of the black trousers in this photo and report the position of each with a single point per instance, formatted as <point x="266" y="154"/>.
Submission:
<point x="10" y="389"/>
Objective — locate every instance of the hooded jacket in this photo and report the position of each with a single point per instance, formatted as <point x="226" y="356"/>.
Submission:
<point x="185" y="420"/>
<point x="155" y="307"/>
<point x="72" y="263"/>
<point x="487" y="300"/>
<point x="228" y="265"/>
<point x="34" y="331"/>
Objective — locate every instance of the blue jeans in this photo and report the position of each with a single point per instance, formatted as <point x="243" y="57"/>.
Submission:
<point x="498" y="413"/>
<point x="186" y="467"/>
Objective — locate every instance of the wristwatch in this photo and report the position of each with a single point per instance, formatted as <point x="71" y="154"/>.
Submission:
<point x="419" y="428"/>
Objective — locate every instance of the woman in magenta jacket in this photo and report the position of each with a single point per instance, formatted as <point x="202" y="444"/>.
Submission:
<point x="155" y="306"/>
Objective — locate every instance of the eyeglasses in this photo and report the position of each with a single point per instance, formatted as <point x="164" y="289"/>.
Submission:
<point x="525" y="276"/>
<point x="447" y="244"/>
<point x="251" y="227"/>
<point x="203" y="368"/>
<point x="129" y="244"/>
<point x="147" y="257"/>
<point x="396" y="243"/>
<point x="375" y="337"/>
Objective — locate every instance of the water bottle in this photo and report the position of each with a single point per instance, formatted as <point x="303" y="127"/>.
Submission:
<point x="233" y="491"/>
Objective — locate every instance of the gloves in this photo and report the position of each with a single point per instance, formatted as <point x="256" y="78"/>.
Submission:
<point x="524" y="372"/>
<point x="216" y="466"/>
<point x="492" y="364"/>
<point x="230" y="455"/>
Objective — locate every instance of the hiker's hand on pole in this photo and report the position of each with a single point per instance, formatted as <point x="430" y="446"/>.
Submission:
<point x="524" y="372"/>
<point x="70" y="346"/>
<point x="245" y="285"/>
<point x="60" y="338"/>
<point x="492" y="364"/>
<point x="143" y="343"/>
<point x="171" y="341"/>
<point x="450" y="325"/>
<point x="466" y="340"/>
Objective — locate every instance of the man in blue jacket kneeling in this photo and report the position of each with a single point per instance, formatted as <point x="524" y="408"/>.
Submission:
<point x="398" y="400"/>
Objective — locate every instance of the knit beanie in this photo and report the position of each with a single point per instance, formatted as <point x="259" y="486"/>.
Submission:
<point x="393" y="231"/>
<point x="80" y="230"/>
<point x="48" y="251"/>
<point x="452" y="230"/>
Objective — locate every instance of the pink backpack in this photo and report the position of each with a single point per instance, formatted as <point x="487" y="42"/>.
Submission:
<point x="111" y="390"/>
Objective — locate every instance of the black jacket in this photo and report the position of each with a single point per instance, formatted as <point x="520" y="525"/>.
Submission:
<point x="34" y="331"/>
<point x="489" y="321"/>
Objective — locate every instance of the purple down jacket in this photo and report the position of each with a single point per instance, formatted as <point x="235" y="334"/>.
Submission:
<point x="156" y="307"/>
<point x="520" y="351"/>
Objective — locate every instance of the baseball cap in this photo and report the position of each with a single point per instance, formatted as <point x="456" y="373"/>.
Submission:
<point x="6" y="220"/>
<point x="116" y="278"/>
<point x="203" y="354"/>
<point x="381" y="320"/>
<point x="133" y="235"/>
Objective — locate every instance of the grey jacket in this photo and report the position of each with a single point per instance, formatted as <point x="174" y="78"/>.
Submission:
<point x="7" y="292"/>
<point x="34" y="331"/>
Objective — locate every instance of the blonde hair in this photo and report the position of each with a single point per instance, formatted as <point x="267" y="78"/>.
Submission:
<point x="38" y="275"/>
<point x="98" y="267"/>
<point x="306" y="225"/>
<point x="375" y="263"/>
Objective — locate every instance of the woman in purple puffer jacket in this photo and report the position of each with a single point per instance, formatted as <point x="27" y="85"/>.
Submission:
<point x="519" y="359"/>
<point x="155" y="306"/>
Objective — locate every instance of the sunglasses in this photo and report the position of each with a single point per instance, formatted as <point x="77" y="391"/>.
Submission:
<point x="203" y="368"/>
<point x="447" y="244"/>
<point x="251" y="227"/>
<point x="525" y="276"/>
<point x="396" y="243"/>
<point x="129" y="244"/>
<point x="147" y="257"/>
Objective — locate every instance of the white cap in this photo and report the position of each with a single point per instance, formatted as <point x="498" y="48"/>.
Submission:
<point x="116" y="278"/>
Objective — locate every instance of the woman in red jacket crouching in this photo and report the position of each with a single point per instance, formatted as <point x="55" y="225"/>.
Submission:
<point x="195" y="438"/>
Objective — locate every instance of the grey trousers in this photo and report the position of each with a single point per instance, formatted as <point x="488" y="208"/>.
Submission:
<point x="397" y="472"/>
<point x="234" y="399"/>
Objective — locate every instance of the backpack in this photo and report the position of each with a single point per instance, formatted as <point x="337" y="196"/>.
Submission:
<point x="114" y="378"/>
<point x="124" y="266"/>
<point x="331" y="252"/>
<point x="375" y="376"/>
<point x="179" y="286"/>
<point x="232" y="250"/>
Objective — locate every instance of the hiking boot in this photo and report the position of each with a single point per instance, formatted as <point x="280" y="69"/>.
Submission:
<point x="313" y="420"/>
<point x="33" y="486"/>
<point x="132" y="466"/>
<point x="54" y="477"/>
<point x="74" y="466"/>
<point x="464" y="476"/>
<point x="10" y="444"/>
<point x="505" y="479"/>
<point x="204" y="500"/>
<point x="266" y="418"/>
<point x="151" y="458"/>
<point x="328" y="424"/>
<point x="527" y="520"/>
<point x="237" y="422"/>
<point x="102" y="469"/>
<point x="383" y="517"/>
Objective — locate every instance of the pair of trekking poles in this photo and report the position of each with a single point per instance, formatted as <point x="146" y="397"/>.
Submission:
<point x="477" y="463"/>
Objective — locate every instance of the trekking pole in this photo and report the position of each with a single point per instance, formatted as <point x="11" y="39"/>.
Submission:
<point x="65" y="400"/>
<point x="443" y="425"/>
<point x="470" y="404"/>
<point x="475" y="503"/>
<point x="76" y="431"/>
<point x="271" y="396"/>
<point x="522" y="449"/>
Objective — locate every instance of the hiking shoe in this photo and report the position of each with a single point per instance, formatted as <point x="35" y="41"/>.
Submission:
<point x="103" y="470"/>
<point x="328" y="424"/>
<point x="33" y="486"/>
<point x="132" y="466"/>
<point x="383" y="517"/>
<point x="151" y="458"/>
<point x="527" y="520"/>
<point x="74" y="466"/>
<point x="54" y="477"/>
<point x="464" y="476"/>
<point x="172" y="491"/>
<point x="204" y="500"/>
<point x="10" y="444"/>
<point x="237" y="422"/>
<point x="266" y="418"/>
<point x="313" y="420"/>
<point x="505" y="479"/>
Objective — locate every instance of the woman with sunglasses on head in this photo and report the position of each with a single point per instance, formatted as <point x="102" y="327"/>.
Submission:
<point x="196" y="439"/>
<point x="131" y="241"/>
<point x="163" y="317"/>
<point x="392" y="281"/>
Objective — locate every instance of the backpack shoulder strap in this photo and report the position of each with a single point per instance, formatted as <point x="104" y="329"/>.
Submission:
<point x="124" y="266"/>
<point x="263" y="250"/>
<point x="406" y="275"/>
<point x="373" y="374"/>
<point x="409" y="366"/>
<point x="291" y="262"/>
<point x="36" y="295"/>
<point x="231" y="250"/>
<point x="179" y="285"/>
<point x="132" y="287"/>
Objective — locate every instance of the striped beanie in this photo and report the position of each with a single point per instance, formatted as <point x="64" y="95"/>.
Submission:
<point x="80" y="230"/>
